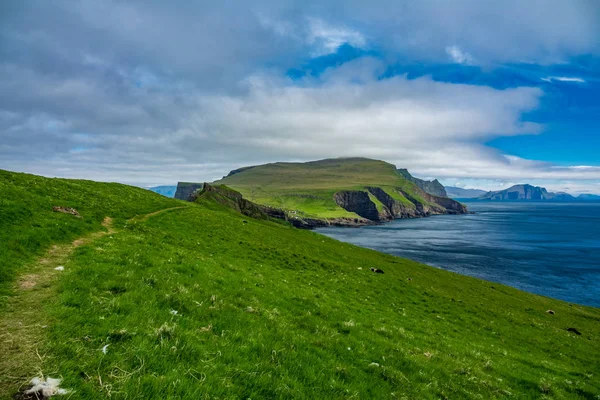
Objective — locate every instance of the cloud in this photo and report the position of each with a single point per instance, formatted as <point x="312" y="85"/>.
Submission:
<point x="150" y="93"/>
<point x="431" y="127"/>
<point x="458" y="56"/>
<point x="327" y="39"/>
<point x="563" y="79"/>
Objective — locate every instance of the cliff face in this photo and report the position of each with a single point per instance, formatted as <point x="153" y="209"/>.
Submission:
<point x="360" y="202"/>
<point x="186" y="189"/>
<point x="451" y="206"/>
<point x="433" y="187"/>
<point x="396" y="208"/>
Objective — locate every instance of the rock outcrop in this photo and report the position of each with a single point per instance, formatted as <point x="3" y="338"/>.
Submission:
<point x="433" y="187"/>
<point x="186" y="189"/>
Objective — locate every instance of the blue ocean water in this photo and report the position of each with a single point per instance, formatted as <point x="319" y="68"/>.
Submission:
<point x="552" y="249"/>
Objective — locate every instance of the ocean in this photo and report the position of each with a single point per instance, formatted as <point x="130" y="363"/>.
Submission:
<point x="552" y="249"/>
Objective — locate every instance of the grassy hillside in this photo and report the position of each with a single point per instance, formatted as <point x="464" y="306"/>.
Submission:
<point x="28" y="225"/>
<point x="202" y="302"/>
<point x="309" y="188"/>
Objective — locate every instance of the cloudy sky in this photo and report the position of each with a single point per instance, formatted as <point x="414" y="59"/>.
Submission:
<point x="476" y="93"/>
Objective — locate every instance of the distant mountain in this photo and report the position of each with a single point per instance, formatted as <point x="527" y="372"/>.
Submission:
<point x="433" y="187"/>
<point x="526" y="192"/>
<point x="168" y="191"/>
<point x="588" y="197"/>
<point x="456" y="192"/>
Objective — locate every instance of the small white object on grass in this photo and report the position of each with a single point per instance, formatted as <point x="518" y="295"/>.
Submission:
<point x="174" y="312"/>
<point x="60" y="268"/>
<point x="46" y="387"/>
<point x="105" y="348"/>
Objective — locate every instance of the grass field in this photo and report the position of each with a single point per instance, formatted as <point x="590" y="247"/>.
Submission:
<point x="308" y="188"/>
<point x="28" y="225"/>
<point x="194" y="301"/>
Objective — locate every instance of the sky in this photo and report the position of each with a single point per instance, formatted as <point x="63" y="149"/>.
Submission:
<point x="475" y="93"/>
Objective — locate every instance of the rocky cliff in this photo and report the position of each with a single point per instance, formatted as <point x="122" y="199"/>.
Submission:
<point x="433" y="187"/>
<point x="358" y="202"/>
<point x="186" y="189"/>
<point x="364" y="203"/>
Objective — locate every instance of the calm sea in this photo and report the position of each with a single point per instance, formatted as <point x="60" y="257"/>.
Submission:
<point x="552" y="249"/>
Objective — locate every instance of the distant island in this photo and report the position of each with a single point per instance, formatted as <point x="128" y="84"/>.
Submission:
<point x="523" y="192"/>
<point x="586" y="196"/>
<point x="460" y="193"/>
<point x="526" y="192"/>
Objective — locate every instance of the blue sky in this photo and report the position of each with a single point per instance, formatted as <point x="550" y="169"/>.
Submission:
<point x="569" y="109"/>
<point x="479" y="94"/>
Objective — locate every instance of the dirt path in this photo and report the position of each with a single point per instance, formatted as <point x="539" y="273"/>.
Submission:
<point x="142" y="218"/>
<point x="22" y="323"/>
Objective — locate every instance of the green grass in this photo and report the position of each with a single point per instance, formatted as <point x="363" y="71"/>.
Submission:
<point x="309" y="187"/>
<point x="308" y="203"/>
<point x="268" y="311"/>
<point x="28" y="225"/>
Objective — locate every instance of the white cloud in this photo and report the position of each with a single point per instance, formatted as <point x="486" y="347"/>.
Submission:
<point x="326" y="38"/>
<point x="188" y="90"/>
<point x="563" y="79"/>
<point x="458" y="56"/>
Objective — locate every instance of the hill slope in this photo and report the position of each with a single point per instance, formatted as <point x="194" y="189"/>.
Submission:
<point x="28" y="223"/>
<point x="199" y="301"/>
<point x="340" y="191"/>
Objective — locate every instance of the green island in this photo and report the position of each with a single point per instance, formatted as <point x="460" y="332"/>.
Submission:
<point x="344" y="191"/>
<point x="123" y="293"/>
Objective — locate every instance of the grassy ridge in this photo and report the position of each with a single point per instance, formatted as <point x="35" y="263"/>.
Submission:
<point x="202" y="302"/>
<point x="28" y="225"/>
<point x="309" y="187"/>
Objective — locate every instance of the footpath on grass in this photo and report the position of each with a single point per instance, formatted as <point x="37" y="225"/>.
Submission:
<point x="23" y="322"/>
